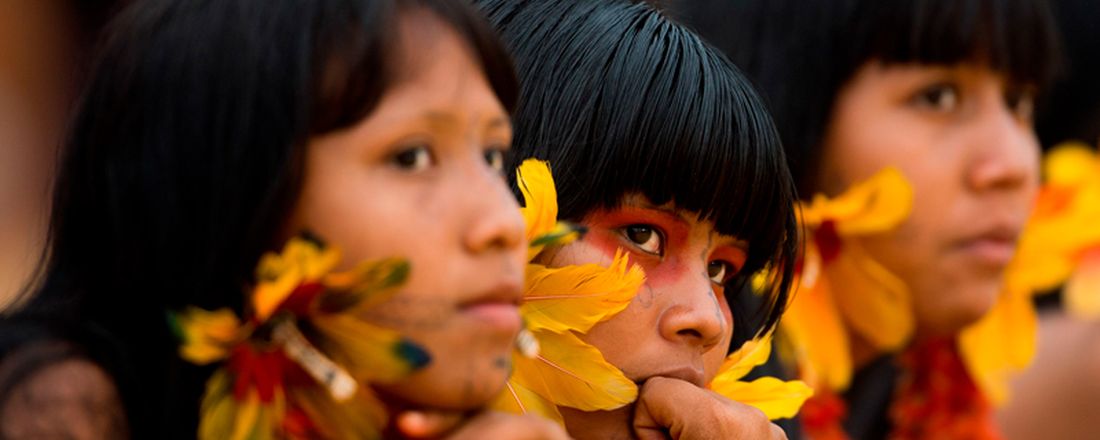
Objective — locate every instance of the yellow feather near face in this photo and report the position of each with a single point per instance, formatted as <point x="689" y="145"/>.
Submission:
<point x="364" y="287"/>
<point x="818" y="337"/>
<point x="570" y="372"/>
<point x="776" y="398"/>
<point x="1082" y="293"/>
<point x="517" y="399"/>
<point x="875" y="205"/>
<point x="540" y="211"/>
<point x="369" y="353"/>
<point x="752" y="353"/>
<point x="223" y="417"/>
<point x="1001" y="344"/>
<point x="1070" y="163"/>
<point x="577" y="297"/>
<point x="278" y="274"/>
<point x="358" y="418"/>
<point x="207" y="336"/>
<point x="1055" y="239"/>
<point x="874" y="302"/>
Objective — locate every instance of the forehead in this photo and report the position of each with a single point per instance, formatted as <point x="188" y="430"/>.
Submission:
<point x="435" y="72"/>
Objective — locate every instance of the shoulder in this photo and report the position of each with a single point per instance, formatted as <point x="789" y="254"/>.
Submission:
<point x="49" y="389"/>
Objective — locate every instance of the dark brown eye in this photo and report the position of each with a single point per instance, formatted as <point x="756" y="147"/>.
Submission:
<point x="719" y="270"/>
<point x="1021" y="101"/>
<point x="413" y="158"/>
<point x="939" y="97"/>
<point x="646" y="237"/>
<point x="495" y="158"/>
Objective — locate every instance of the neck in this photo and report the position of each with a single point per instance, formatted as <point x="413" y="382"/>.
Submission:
<point x="862" y="351"/>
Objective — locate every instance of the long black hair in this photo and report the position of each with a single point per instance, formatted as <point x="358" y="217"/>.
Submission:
<point x="620" y="100"/>
<point x="185" y="159"/>
<point x="801" y="53"/>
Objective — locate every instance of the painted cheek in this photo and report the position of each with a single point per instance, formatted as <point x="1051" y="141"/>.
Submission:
<point x="667" y="272"/>
<point x="658" y="273"/>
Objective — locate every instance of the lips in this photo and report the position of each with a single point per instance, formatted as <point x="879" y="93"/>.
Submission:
<point x="496" y="308"/>
<point x="687" y="374"/>
<point x="992" y="246"/>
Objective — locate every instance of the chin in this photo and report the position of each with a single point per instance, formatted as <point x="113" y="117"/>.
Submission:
<point x="959" y="307"/>
<point x="453" y="387"/>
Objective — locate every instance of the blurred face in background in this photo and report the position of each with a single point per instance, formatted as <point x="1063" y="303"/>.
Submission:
<point x="963" y="137"/>
<point x="38" y="64"/>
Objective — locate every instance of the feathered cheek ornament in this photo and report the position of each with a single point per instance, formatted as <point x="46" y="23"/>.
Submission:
<point x="301" y="365"/>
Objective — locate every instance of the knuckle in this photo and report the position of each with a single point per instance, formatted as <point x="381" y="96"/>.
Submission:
<point x="778" y="433"/>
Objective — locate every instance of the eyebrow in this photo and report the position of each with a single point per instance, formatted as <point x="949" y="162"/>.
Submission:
<point x="440" y="118"/>
<point x="446" y="120"/>
<point x="499" y="122"/>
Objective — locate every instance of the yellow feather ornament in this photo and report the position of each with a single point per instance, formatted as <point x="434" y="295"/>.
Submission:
<point x="559" y="305"/>
<point x="776" y="398"/>
<point x="301" y="365"/>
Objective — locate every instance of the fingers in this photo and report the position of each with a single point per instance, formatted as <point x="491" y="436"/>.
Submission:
<point x="664" y="406"/>
<point x="672" y="408"/>
<point x="491" y="424"/>
<point x="483" y="425"/>
<point x="427" y="424"/>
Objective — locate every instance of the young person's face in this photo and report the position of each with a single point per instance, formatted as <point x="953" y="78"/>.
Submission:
<point x="420" y="178"/>
<point x="963" y="137"/>
<point x="679" y="325"/>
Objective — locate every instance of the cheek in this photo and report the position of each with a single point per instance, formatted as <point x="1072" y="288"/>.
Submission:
<point x="713" y="359"/>
<point x="658" y="273"/>
<point x="369" y="215"/>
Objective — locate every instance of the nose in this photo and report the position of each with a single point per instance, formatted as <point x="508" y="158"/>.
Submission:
<point x="694" y="315"/>
<point x="496" y="223"/>
<point x="1007" y="153"/>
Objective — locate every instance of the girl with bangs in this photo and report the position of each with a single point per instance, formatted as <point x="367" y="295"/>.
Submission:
<point x="660" y="150"/>
<point x="213" y="133"/>
<point x="920" y="111"/>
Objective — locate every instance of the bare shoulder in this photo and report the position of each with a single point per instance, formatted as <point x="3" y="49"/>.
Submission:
<point x="49" y="392"/>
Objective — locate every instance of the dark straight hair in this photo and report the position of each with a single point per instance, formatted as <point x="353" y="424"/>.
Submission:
<point x="185" y="159"/>
<point x="801" y="53"/>
<point x="621" y="100"/>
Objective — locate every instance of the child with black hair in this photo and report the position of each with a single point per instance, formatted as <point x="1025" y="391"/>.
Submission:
<point x="909" y="282"/>
<point x="663" y="153"/>
<point x="213" y="132"/>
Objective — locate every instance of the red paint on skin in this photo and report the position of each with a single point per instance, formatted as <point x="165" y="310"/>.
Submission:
<point x="605" y="233"/>
<point x="732" y="254"/>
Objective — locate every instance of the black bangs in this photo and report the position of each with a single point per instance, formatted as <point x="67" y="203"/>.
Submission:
<point x="800" y="53"/>
<point x="1014" y="37"/>
<point x="620" y="100"/>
